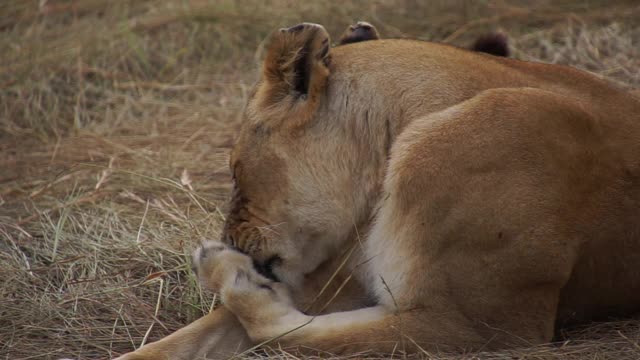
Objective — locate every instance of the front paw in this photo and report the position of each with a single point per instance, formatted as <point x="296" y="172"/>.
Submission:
<point x="224" y="269"/>
<point x="215" y="264"/>
<point x="244" y="291"/>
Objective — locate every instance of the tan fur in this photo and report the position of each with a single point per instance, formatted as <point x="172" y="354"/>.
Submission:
<point x="490" y="200"/>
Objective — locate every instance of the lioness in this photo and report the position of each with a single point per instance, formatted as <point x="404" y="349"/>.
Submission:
<point x="478" y="201"/>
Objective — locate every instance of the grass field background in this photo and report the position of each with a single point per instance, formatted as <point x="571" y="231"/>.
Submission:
<point x="116" y="119"/>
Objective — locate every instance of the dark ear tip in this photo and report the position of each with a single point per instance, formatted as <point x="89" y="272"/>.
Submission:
<point x="493" y="43"/>
<point x="361" y="31"/>
<point x="364" y="25"/>
<point x="296" y="28"/>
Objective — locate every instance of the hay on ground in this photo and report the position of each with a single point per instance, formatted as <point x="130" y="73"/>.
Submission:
<point x="116" y="118"/>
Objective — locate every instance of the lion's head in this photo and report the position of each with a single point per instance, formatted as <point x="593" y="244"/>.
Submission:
<point x="304" y="174"/>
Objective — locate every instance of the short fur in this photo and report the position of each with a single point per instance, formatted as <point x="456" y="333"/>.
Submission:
<point x="480" y="202"/>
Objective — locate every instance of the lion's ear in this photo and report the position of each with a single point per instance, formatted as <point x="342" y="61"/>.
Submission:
<point x="296" y="66"/>
<point x="361" y="31"/>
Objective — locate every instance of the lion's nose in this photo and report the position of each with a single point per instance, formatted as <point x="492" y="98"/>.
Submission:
<point x="266" y="268"/>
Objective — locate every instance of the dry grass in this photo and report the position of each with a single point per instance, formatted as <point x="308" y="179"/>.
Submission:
<point x="115" y="122"/>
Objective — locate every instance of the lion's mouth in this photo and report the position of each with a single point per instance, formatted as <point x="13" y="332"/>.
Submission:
<point x="266" y="268"/>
